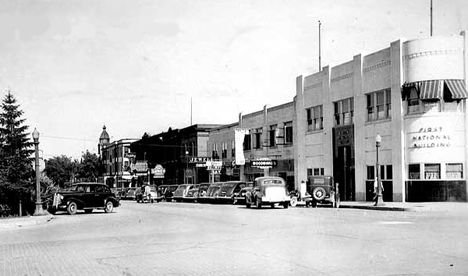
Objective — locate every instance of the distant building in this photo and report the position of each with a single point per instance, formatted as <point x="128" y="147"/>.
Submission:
<point x="116" y="160"/>
<point x="174" y="151"/>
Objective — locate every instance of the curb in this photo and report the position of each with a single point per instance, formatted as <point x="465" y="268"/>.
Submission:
<point x="10" y="223"/>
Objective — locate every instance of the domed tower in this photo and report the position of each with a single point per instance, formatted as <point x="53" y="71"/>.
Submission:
<point x="103" y="139"/>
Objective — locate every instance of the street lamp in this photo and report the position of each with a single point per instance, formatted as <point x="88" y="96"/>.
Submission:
<point x="39" y="211"/>
<point x="186" y="166"/>
<point x="378" y="196"/>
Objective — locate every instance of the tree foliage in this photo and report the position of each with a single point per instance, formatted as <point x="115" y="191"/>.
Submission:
<point x="60" y="169"/>
<point x="15" y="146"/>
<point x="89" y="167"/>
<point x="16" y="171"/>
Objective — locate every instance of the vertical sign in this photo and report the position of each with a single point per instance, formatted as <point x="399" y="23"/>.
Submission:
<point x="239" y="135"/>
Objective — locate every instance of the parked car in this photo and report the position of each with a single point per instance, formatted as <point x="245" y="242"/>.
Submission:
<point x="192" y="193"/>
<point x="268" y="190"/>
<point x="212" y="192"/>
<point x="131" y="193"/>
<point x="167" y="191"/>
<point x="121" y="193"/>
<point x="84" y="196"/>
<point x="180" y="193"/>
<point x="228" y="190"/>
<point x="198" y="192"/>
<point x="324" y="190"/>
<point x="139" y="195"/>
<point x="239" y="198"/>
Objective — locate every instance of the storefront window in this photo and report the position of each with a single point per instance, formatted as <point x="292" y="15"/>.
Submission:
<point x="454" y="171"/>
<point x="414" y="171"/>
<point x="432" y="171"/>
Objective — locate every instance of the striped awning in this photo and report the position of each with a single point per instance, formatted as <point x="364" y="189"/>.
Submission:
<point x="431" y="89"/>
<point x="457" y="88"/>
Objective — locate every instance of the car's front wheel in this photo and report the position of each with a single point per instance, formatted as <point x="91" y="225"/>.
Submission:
<point x="72" y="208"/>
<point x="109" y="207"/>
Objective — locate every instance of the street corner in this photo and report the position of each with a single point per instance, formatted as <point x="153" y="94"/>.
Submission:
<point x="18" y="222"/>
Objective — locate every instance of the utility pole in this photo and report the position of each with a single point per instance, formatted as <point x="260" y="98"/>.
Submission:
<point x="431" y="17"/>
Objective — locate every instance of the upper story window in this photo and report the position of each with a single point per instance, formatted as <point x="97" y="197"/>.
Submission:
<point x="247" y="142"/>
<point x="288" y="133"/>
<point x="434" y="96"/>
<point x="315" y="118"/>
<point x="272" y="135"/>
<point x="258" y="138"/>
<point x="233" y="148"/>
<point x="215" y="154"/>
<point x="344" y="112"/>
<point x="224" y="152"/>
<point x="379" y="105"/>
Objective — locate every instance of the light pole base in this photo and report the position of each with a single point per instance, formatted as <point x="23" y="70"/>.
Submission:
<point x="39" y="211"/>
<point x="379" y="201"/>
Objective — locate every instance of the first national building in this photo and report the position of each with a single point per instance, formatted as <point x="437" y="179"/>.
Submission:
<point x="413" y="95"/>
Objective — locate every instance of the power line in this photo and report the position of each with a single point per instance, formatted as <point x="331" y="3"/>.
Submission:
<point x="69" y="138"/>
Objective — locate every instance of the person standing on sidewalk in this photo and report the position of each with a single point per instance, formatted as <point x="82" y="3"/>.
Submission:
<point x="376" y="191"/>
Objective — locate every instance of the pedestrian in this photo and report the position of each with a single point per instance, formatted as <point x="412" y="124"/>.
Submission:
<point x="376" y="191"/>
<point x="148" y="193"/>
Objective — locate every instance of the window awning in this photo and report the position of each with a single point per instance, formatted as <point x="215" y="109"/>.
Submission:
<point x="457" y="88"/>
<point x="431" y="89"/>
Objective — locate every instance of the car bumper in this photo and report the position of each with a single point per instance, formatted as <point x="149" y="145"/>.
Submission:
<point x="275" y="199"/>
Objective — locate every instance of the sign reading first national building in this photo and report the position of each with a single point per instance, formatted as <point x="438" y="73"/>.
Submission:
<point x="431" y="137"/>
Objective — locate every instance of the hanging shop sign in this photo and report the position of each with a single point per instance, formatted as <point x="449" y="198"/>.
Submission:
<point x="158" y="171"/>
<point x="139" y="166"/>
<point x="214" y="165"/>
<point x="264" y="163"/>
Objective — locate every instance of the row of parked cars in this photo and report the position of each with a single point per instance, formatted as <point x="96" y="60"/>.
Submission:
<point x="268" y="190"/>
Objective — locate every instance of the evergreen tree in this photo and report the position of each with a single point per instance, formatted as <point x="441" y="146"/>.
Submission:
<point x="89" y="167"/>
<point x="15" y="146"/>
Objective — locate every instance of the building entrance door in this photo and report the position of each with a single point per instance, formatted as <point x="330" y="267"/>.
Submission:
<point x="343" y="162"/>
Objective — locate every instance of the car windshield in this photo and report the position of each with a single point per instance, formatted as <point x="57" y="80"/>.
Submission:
<point x="273" y="182"/>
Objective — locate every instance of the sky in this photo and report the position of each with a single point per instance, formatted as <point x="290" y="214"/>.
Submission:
<point x="136" y="66"/>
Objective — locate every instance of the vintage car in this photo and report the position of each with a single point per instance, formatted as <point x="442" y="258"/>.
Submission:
<point x="323" y="189"/>
<point x="131" y="193"/>
<point x="167" y="191"/>
<point x="197" y="192"/>
<point x="268" y="190"/>
<point x="211" y="193"/>
<point x="228" y="190"/>
<point x="239" y="197"/>
<point x="139" y="195"/>
<point x="180" y="193"/>
<point x="84" y="196"/>
<point x="192" y="193"/>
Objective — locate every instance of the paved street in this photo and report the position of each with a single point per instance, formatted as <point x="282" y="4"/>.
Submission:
<point x="204" y="239"/>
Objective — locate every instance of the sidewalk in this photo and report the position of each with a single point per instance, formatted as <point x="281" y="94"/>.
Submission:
<point x="17" y="222"/>
<point x="405" y="206"/>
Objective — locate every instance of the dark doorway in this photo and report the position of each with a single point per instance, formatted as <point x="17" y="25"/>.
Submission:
<point x="343" y="162"/>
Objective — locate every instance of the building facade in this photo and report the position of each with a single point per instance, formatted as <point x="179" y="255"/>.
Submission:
<point x="115" y="159"/>
<point x="175" y="151"/>
<point x="413" y="95"/>
<point x="269" y="139"/>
